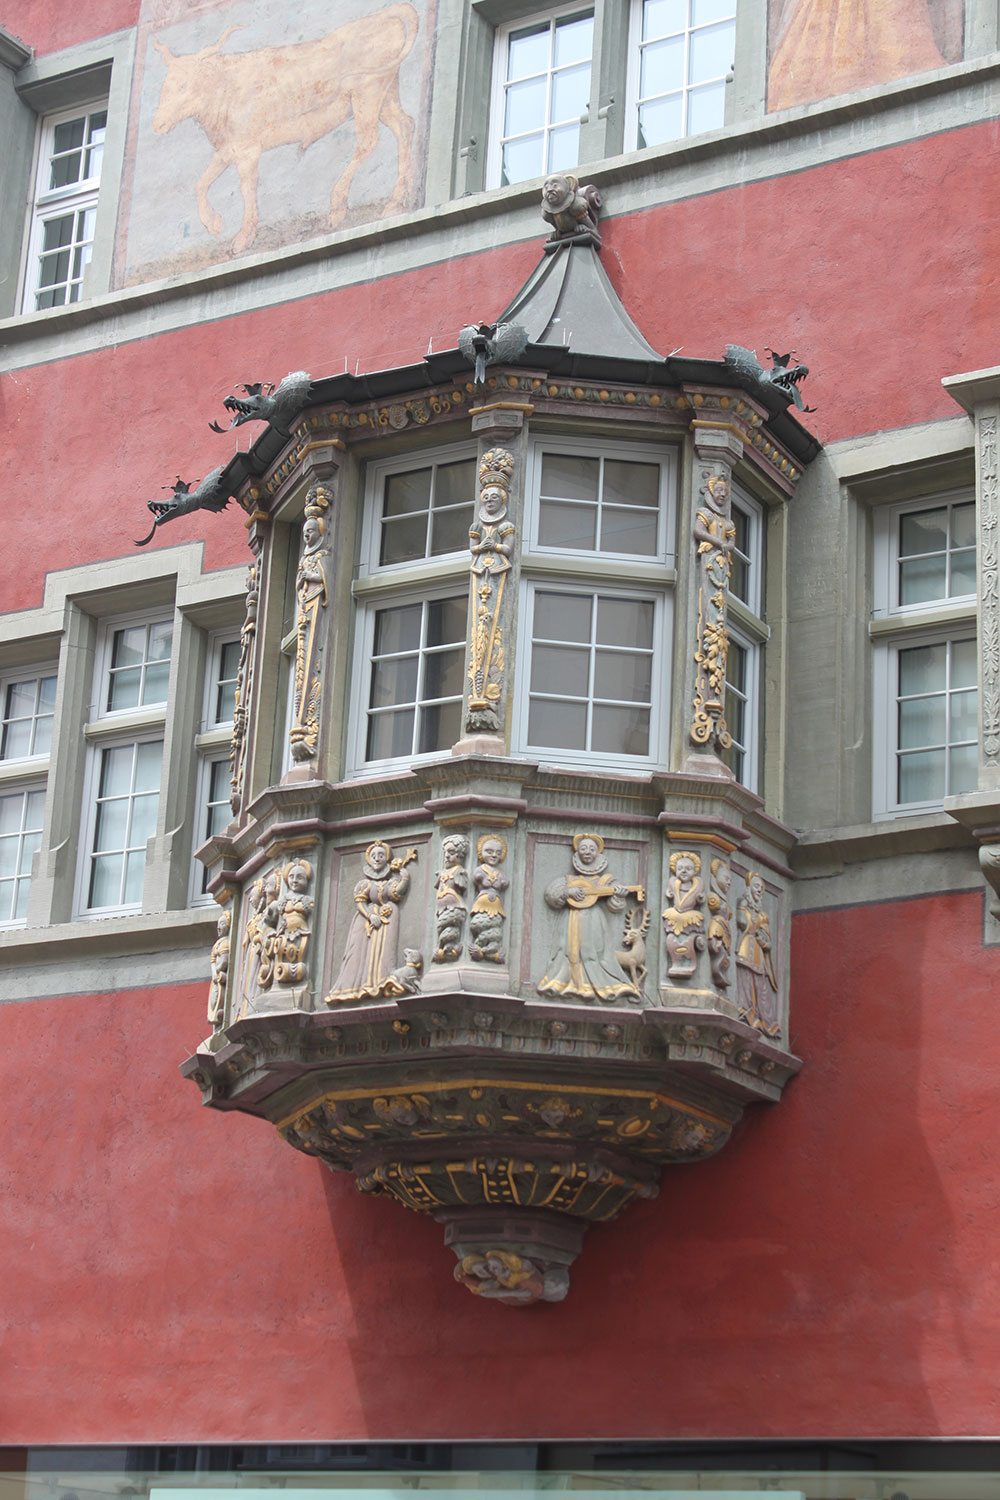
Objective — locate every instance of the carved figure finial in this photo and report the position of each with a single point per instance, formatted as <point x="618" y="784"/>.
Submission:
<point x="570" y="208"/>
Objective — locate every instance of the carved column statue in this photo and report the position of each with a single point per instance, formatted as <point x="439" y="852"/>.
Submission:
<point x="712" y="536"/>
<point x="311" y="594"/>
<point x="244" y="691"/>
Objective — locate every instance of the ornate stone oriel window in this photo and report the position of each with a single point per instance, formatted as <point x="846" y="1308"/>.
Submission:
<point x="925" y="670"/>
<point x="61" y="236"/>
<point x="517" y="938"/>
<point x="541" y="87"/>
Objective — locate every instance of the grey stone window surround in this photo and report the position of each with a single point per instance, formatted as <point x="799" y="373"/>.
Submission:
<point x="61" y="80"/>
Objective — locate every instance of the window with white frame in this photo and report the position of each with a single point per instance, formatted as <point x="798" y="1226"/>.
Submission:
<point x="125" y="735"/>
<point x="22" y="811"/>
<point x="541" y="87"/>
<point x="421" y="509"/>
<point x="596" y="602"/>
<point x="213" y="744"/>
<point x="64" y="210"/>
<point x="747" y="637"/>
<point x="925" y="668"/>
<point x="416" y="649"/>
<point x="28" y="709"/>
<point x="682" y="52"/>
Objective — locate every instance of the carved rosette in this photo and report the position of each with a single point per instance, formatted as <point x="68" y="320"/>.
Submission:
<point x="491" y="542"/>
<point x="714" y="534"/>
<point x="311" y="594"/>
<point x="989" y="577"/>
<point x="243" y="691"/>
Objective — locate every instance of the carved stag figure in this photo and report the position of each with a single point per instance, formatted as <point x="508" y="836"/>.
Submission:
<point x="250" y="102"/>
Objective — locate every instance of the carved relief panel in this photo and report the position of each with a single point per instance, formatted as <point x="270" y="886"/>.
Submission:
<point x="379" y="927"/>
<point x="277" y="927"/>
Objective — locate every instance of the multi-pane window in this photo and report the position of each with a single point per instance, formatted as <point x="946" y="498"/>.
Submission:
<point x="140" y="666"/>
<point x="214" y="811"/>
<point x="682" y="53"/>
<point x="65" y="208"/>
<point x="425" y="511"/>
<point x="541" y="88"/>
<point x="598" y="504"/>
<point x="21" y="814"/>
<point x="747" y="635"/>
<point x="592" y="669"/>
<point x="926" y="658"/>
<point x="226" y="660"/>
<point x="128" y="793"/>
<point x="416" y="680"/>
<point x="28" y="709"/>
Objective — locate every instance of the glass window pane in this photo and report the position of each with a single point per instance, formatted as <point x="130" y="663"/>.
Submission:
<point x="921" y="776"/>
<point x="218" y="790"/>
<point x="17" y="739"/>
<point x="660" y="121"/>
<point x="574" y="39"/>
<point x="106" y="880"/>
<point x="116" y="771"/>
<point x="564" y="148"/>
<point x="739" y="578"/>
<point x="446" y="621"/>
<point x="962" y="717"/>
<point x="112" y="824"/>
<point x="525" y="106"/>
<point x="455" y="484"/>
<point x="712" y="52"/>
<point x="662" y="67"/>
<point x="21" y="699"/>
<point x="620" y="731"/>
<point x="562" y="617"/>
<point x="42" y="742"/>
<point x="68" y="134"/>
<point x="35" y="811"/>
<point x="397" y="629"/>
<point x="963" y="664"/>
<point x="160" y="640"/>
<point x="705" y="11"/>
<point x="963" y="525"/>
<point x="129" y="647"/>
<point x="405" y="539"/>
<point x="631" y="484"/>
<point x="8" y="856"/>
<point x="963" y="770"/>
<point x="405" y="493"/>
<point x="558" y="726"/>
<point x="922" y="578"/>
<point x="443" y="674"/>
<point x="663" y="17"/>
<point x="706" y="108"/>
<point x="11" y="813"/>
<point x="65" y="170"/>
<point x="570" y="478"/>
<point x="570" y="92"/>
<point x="922" y="669"/>
<point x="29" y="845"/>
<point x="21" y="900"/>
<point x="523" y="159"/>
<point x="963" y="573"/>
<point x="394" y="681"/>
<point x="921" y="722"/>
<point x="143" y="820"/>
<point x="225" y="703"/>
<point x="54" y="269"/>
<point x="440" y="727"/>
<point x="923" y="531"/>
<point x="625" y="622"/>
<point x="560" y="669"/>
<point x="148" y="758"/>
<point x="450" y="530"/>
<point x="229" y="660"/>
<point x="156" y="682"/>
<point x="632" y="531"/>
<point x="563" y="524"/>
<point x="123" y="689"/>
<point x="390" y="734"/>
<point x="623" y="676"/>
<point x="528" y="51"/>
<point x="135" y="867"/>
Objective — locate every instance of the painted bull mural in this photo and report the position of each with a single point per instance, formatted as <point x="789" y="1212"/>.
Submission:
<point x="249" y="102"/>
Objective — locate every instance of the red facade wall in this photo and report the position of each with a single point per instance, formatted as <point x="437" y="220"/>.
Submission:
<point x="828" y="1274"/>
<point x="826" y="261"/>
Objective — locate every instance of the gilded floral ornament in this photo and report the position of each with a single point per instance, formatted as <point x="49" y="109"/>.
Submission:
<point x="714" y="536"/>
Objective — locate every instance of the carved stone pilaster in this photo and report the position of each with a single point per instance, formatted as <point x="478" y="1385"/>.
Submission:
<point x="988" y="466"/>
<point x="713" y="534"/>
<point x="244" y="690"/>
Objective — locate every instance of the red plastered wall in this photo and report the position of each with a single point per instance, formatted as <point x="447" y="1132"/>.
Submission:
<point x="171" y="1273"/>
<point x="882" y="271"/>
<point x="49" y="25"/>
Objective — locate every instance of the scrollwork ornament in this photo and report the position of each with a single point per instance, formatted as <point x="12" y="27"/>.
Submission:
<point x="714" y="536"/>
<point x="491" y="542"/>
<point x="311" y="593"/>
<point x="989" y="564"/>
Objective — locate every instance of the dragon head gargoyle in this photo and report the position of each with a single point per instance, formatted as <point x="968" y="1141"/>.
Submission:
<point x="213" y="493"/>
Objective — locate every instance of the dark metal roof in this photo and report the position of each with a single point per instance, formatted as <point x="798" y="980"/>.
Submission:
<point x="569" y="301"/>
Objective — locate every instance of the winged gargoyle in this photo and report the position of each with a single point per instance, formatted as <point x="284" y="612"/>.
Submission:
<point x="266" y="403"/>
<point x="782" y="376"/>
<point x="213" y="493"/>
<point x="492" y="344"/>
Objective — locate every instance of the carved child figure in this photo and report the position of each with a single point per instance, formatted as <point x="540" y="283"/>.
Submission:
<point x="220" y="972"/>
<point x="487" y="918"/>
<point x="683" y="919"/>
<point x="720" y="928"/>
<point x="452" y="882"/>
<point x="293" y="924"/>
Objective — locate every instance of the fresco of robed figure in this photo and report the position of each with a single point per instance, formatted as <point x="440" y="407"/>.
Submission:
<point x="245" y="141"/>
<point x="819" y="48"/>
